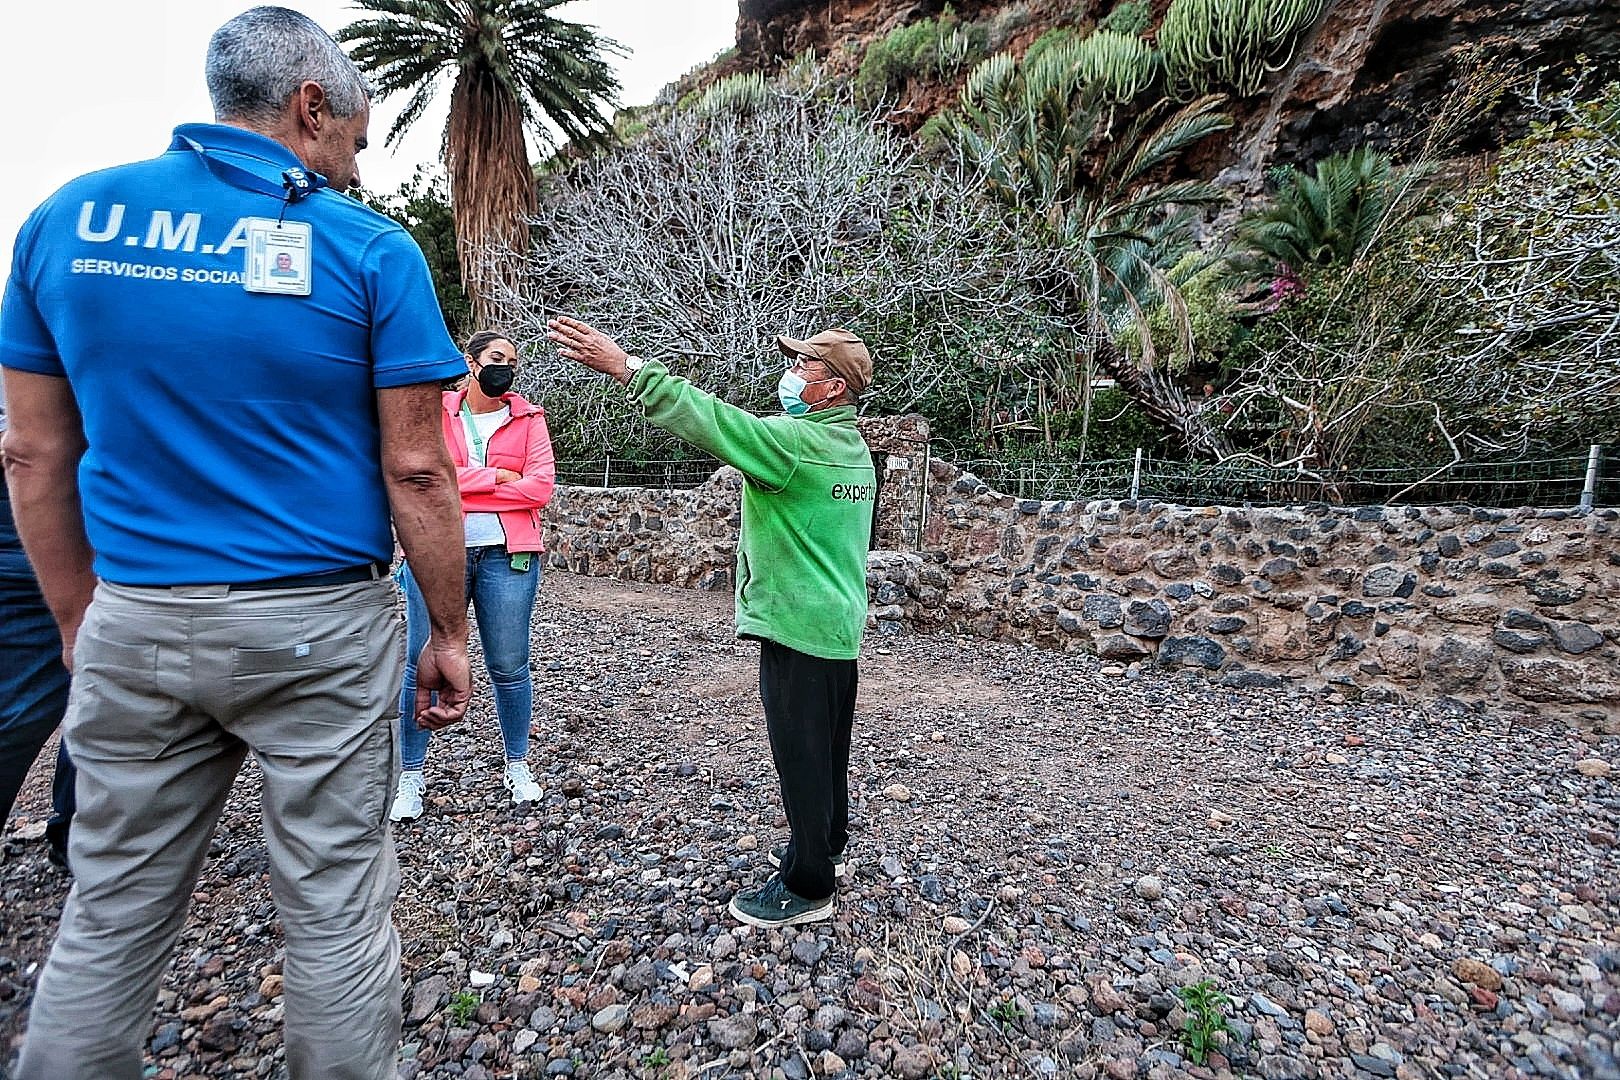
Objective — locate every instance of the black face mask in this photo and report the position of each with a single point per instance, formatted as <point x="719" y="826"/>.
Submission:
<point x="495" y="379"/>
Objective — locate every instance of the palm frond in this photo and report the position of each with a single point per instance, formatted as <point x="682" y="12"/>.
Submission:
<point x="1337" y="213"/>
<point x="515" y="69"/>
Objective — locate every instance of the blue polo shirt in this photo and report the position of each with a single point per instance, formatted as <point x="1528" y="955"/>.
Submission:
<point x="233" y="436"/>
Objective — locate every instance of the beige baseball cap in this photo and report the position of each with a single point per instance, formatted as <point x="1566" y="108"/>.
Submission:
<point x="843" y="353"/>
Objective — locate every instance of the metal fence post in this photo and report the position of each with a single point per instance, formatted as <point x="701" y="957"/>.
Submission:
<point x="1589" y="490"/>
<point x="1136" y="475"/>
<point x="607" y="463"/>
<point x="922" y="498"/>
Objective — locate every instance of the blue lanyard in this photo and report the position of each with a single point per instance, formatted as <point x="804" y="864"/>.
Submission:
<point x="296" y="183"/>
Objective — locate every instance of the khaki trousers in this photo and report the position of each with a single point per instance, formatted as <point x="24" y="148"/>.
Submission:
<point x="172" y="689"/>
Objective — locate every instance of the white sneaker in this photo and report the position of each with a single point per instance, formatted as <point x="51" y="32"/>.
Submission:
<point x="408" y="799"/>
<point x="520" y="782"/>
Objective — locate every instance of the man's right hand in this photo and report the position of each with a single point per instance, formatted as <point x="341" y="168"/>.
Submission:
<point x="427" y="516"/>
<point x="442" y="669"/>
<point x="70" y="638"/>
<point x="587" y="345"/>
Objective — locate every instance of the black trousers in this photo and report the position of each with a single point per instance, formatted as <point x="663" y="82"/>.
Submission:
<point x="809" y="713"/>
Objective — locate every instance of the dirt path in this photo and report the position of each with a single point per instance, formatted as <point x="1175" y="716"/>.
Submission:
<point x="1045" y="849"/>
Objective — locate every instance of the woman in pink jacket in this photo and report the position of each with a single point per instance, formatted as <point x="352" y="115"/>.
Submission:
<point x="506" y="472"/>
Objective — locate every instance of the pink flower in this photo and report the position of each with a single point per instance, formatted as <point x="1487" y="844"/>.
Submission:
<point x="1286" y="286"/>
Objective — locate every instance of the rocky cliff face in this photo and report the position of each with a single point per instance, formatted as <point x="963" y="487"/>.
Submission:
<point x="1370" y="72"/>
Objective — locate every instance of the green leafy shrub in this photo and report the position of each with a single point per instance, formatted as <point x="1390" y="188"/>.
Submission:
<point x="1113" y="431"/>
<point x="630" y="123"/>
<point x="1128" y="17"/>
<point x="890" y="62"/>
<point x="1055" y="38"/>
<point x="1116" y="429"/>
<point x="1212" y="326"/>
<point x="936" y="136"/>
<point x="929" y="49"/>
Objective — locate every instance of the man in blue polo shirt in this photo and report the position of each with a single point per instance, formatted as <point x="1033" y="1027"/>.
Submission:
<point x="203" y="458"/>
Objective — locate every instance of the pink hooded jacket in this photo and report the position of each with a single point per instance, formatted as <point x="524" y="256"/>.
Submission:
<point x="523" y="445"/>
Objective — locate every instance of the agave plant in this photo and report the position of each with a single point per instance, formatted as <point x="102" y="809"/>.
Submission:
<point x="1090" y="194"/>
<point x="1332" y="215"/>
<point x="1209" y="44"/>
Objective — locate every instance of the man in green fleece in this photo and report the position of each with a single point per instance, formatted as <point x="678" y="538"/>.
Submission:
<point x="801" y="577"/>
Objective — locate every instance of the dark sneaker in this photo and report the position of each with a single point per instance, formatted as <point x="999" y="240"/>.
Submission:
<point x="773" y="904"/>
<point x="840" y="868"/>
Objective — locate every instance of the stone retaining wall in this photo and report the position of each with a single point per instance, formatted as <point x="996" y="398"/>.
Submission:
<point x="1516" y="608"/>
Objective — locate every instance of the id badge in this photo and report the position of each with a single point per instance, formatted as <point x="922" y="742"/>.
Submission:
<point x="279" y="257"/>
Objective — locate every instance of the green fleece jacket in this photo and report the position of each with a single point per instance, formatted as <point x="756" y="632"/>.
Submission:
<point x="806" y="511"/>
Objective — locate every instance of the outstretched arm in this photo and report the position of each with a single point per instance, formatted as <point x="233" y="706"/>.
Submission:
<point x="764" y="451"/>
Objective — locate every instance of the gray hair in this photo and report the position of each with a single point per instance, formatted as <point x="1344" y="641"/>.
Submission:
<point x="258" y="59"/>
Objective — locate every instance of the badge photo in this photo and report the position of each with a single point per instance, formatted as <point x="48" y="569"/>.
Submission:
<point x="279" y="257"/>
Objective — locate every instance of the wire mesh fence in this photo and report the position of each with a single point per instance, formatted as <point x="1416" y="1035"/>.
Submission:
<point x="1545" y="482"/>
<point x="626" y="472"/>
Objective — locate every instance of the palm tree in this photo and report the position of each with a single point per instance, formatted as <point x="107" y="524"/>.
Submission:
<point x="1334" y="214"/>
<point x="514" y="66"/>
<point x="1091" y="198"/>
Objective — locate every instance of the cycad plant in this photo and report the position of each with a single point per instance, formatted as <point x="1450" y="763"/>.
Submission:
<point x="1090" y="194"/>
<point x="514" y="66"/>
<point x="1231" y="44"/>
<point x="1332" y="215"/>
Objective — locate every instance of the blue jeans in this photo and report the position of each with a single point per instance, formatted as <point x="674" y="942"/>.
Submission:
<point x="33" y="685"/>
<point x="503" y="601"/>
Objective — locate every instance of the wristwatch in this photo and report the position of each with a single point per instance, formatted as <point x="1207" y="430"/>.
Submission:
<point x="633" y="364"/>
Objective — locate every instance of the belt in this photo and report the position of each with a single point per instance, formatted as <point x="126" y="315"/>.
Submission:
<point x="348" y="575"/>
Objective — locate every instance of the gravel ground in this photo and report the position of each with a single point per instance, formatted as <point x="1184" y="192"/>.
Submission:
<point x="1046" y="849"/>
